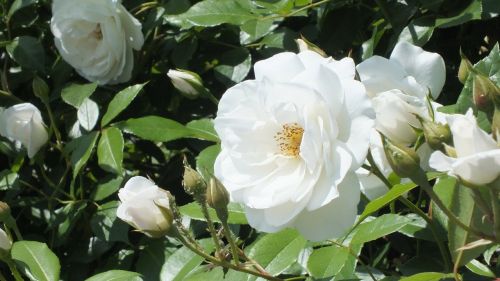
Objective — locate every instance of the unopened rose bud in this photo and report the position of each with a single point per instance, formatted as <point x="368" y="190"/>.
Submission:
<point x="193" y="182"/>
<point x="217" y="195"/>
<point x="5" y="243"/>
<point x="40" y="89"/>
<point x="4" y="212"/>
<point x="464" y="69"/>
<point x="495" y="124"/>
<point x="485" y="93"/>
<point x="404" y="161"/>
<point x="218" y="198"/>
<point x="188" y="83"/>
<point x="435" y="134"/>
<point x="304" y="45"/>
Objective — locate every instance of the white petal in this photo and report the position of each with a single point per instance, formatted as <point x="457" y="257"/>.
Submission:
<point x="134" y="186"/>
<point x="440" y="162"/>
<point x="479" y="169"/>
<point x="333" y="219"/>
<point x="281" y="67"/>
<point x="427" y="68"/>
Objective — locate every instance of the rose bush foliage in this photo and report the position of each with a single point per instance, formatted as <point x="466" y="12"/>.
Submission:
<point x="236" y="140"/>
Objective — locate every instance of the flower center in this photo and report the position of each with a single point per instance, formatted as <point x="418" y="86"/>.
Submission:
<point x="97" y="32"/>
<point x="289" y="139"/>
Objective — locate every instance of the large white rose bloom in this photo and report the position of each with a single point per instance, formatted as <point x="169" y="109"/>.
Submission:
<point x="398" y="87"/>
<point x="23" y="124"/>
<point x="291" y="140"/>
<point x="478" y="154"/>
<point x="96" y="37"/>
<point x="140" y="206"/>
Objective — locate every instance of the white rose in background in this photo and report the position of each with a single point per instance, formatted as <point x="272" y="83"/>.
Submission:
<point x="96" y="37"/>
<point x="399" y="87"/>
<point x="140" y="206"/>
<point x="5" y="242"/>
<point x="477" y="154"/>
<point x="291" y="140"/>
<point x="23" y="123"/>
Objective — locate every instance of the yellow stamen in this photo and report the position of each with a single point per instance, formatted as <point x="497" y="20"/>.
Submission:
<point x="289" y="139"/>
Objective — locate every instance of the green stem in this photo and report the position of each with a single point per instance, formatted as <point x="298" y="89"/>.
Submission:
<point x="428" y="189"/>
<point x="211" y="227"/>
<point x="13" y="269"/>
<point x="2" y="278"/>
<point x="222" y="263"/>
<point x="481" y="203"/>
<point x="356" y="257"/>
<point x="439" y="242"/>
<point x="442" y="249"/>
<point x="496" y="212"/>
<point x="232" y="244"/>
<point x="457" y="266"/>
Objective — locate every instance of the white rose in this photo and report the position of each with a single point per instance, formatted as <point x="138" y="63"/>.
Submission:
<point x="140" y="200"/>
<point x="478" y="155"/>
<point x="96" y="37"/>
<point x="5" y="242"/>
<point x="398" y="87"/>
<point x="23" y="123"/>
<point x="291" y="140"/>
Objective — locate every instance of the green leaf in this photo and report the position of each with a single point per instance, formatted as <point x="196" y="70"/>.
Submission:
<point x="28" y="52"/>
<point x="416" y="34"/>
<point x="419" y="228"/>
<point x="152" y="257"/>
<point x="215" y="12"/>
<point x="480" y="269"/>
<point x="391" y="195"/>
<point x="8" y="180"/>
<point x="120" y="103"/>
<point x="204" y="129"/>
<point x="255" y="29"/>
<point x="236" y="213"/>
<point x="159" y="129"/>
<point x="472" y="12"/>
<point x="107" y="188"/>
<point x="379" y="227"/>
<point x="327" y="261"/>
<point x="66" y="219"/>
<point x="276" y="251"/>
<point x="234" y="66"/>
<point x="116" y="275"/>
<point x="211" y="274"/>
<point x="110" y="150"/>
<point x="87" y="114"/>
<point x="183" y="261"/>
<point x="36" y="260"/>
<point x="205" y="161"/>
<point x="19" y="4"/>
<point x="76" y="94"/>
<point x="461" y="202"/>
<point x="81" y="149"/>
<point x="105" y="224"/>
<point x="427" y="276"/>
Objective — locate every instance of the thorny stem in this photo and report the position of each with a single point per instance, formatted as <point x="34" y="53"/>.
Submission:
<point x="355" y="256"/>
<point x="215" y="261"/>
<point x="232" y="244"/>
<point x="211" y="227"/>
<point x="375" y="170"/>
<point x="428" y="189"/>
<point x="496" y="212"/>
